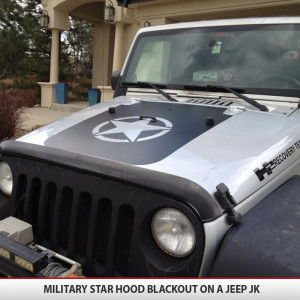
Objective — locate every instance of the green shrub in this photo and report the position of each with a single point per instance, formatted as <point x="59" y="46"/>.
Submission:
<point x="23" y="84"/>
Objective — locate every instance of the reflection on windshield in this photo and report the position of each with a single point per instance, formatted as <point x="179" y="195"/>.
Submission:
<point x="255" y="56"/>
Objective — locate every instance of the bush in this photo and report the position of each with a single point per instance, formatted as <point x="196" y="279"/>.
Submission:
<point x="26" y="98"/>
<point x="24" y="84"/>
<point x="10" y="113"/>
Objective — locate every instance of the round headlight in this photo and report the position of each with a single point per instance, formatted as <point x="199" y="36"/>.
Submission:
<point x="6" y="179"/>
<point x="173" y="232"/>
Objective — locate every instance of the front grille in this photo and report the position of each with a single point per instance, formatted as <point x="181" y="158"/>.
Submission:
<point x="62" y="219"/>
<point x="101" y="222"/>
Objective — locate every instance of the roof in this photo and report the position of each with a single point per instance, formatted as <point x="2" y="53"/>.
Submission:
<point x="210" y="23"/>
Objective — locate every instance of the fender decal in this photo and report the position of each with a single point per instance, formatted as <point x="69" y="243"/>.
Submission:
<point x="268" y="167"/>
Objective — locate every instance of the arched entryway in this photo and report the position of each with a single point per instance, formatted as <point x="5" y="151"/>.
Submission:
<point x="103" y="46"/>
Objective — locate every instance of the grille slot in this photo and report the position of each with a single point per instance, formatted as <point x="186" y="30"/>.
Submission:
<point x="104" y="211"/>
<point x="20" y="195"/>
<point x="65" y="212"/>
<point x="47" y="213"/>
<point x="123" y="238"/>
<point x="32" y="203"/>
<point x="82" y="223"/>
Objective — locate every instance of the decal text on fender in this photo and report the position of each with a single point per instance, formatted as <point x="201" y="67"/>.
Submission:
<point x="268" y="167"/>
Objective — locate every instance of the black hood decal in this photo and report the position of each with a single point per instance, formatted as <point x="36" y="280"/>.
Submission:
<point x="138" y="134"/>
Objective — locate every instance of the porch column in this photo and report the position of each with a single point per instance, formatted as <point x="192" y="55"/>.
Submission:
<point x="48" y="94"/>
<point x="118" y="49"/>
<point x="102" y="53"/>
<point x="54" y="56"/>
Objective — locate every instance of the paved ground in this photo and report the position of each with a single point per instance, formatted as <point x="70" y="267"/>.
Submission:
<point x="37" y="116"/>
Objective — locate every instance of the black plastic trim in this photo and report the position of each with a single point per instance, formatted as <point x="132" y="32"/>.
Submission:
<point x="120" y="90"/>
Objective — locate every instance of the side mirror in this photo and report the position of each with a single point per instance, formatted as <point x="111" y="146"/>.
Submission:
<point x="115" y="76"/>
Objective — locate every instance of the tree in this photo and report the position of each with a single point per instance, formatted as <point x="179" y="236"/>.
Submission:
<point x="78" y="42"/>
<point x="12" y="45"/>
<point x="25" y="46"/>
<point x="37" y="40"/>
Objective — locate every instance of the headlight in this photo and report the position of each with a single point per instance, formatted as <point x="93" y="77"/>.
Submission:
<point x="6" y="179"/>
<point x="173" y="232"/>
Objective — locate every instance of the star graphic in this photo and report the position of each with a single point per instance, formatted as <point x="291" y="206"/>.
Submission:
<point x="132" y="130"/>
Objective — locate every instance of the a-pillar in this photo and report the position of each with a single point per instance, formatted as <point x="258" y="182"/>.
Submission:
<point x="48" y="95"/>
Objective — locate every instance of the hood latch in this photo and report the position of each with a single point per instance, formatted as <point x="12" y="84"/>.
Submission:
<point x="227" y="202"/>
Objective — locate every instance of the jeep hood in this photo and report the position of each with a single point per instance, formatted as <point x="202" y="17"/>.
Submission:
<point x="199" y="143"/>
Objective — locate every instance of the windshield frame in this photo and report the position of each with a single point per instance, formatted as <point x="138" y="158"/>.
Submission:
<point x="227" y="28"/>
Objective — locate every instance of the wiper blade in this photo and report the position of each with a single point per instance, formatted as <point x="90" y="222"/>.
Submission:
<point x="245" y="98"/>
<point x="154" y="86"/>
<point x="241" y="96"/>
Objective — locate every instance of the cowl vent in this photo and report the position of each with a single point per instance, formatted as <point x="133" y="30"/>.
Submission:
<point x="210" y="102"/>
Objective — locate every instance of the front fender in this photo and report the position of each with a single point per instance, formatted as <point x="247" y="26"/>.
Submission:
<point x="266" y="243"/>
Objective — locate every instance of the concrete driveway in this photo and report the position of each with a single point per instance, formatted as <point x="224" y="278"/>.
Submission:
<point x="38" y="116"/>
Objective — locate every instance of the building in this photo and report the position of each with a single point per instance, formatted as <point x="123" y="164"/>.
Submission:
<point x="112" y="40"/>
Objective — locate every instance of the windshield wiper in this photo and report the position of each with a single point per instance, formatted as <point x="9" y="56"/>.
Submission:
<point x="248" y="100"/>
<point x="154" y="86"/>
<point x="241" y="96"/>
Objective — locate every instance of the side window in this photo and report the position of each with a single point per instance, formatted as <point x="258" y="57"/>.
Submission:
<point x="153" y="63"/>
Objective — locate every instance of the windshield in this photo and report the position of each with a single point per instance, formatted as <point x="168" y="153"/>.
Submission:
<point x="256" y="58"/>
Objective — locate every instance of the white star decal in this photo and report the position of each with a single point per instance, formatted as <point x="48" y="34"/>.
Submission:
<point x="132" y="130"/>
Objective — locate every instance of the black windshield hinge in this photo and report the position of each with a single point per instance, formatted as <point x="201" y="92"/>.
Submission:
<point x="227" y="202"/>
